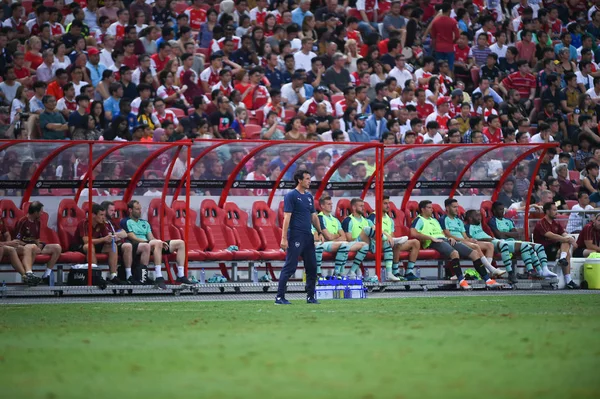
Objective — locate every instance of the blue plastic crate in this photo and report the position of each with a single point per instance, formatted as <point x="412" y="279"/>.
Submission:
<point x="340" y="289"/>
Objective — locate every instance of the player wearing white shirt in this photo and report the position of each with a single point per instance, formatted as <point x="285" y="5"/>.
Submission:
<point x="402" y="76"/>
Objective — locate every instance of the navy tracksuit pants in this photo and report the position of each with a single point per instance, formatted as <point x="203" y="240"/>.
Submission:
<point x="299" y="244"/>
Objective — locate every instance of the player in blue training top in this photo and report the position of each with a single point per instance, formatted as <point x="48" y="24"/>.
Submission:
<point x="454" y="227"/>
<point x="296" y="237"/>
<point x="533" y="255"/>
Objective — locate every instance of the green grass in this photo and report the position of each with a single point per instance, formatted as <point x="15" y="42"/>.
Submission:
<point x="459" y="347"/>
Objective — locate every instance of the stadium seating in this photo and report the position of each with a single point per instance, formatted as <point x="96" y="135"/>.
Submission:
<point x="411" y="211"/>
<point x="220" y="236"/>
<point x="438" y="211"/>
<point x="246" y="236"/>
<point x="343" y="209"/>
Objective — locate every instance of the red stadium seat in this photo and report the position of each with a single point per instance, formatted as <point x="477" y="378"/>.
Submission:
<point x="411" y="211"/>
<point x="438" y="212"/>
<point x="246" y="236"/>
<point x="68" y="217"/>
<point x="197" y="242"/>
<point x="335" y="98"/>
<point x="343" y="209"/>
<point x="571" y="203"/>
<point x="169" y="232"/>
<point x="289" y="114"/>
<point x="121" y="210"/>
<point x="178" y="112"/>
<point x="399" y="219"/>
<point x="11" y="215"/>
<point x="264" y="221"/>
<point x="575" y="176"/>
<point x="252" y="131"/>
<point x="486" y="215"/>
<point x="260" y="116"/>
<point x="279" y="214"/>
<point x="221" y="237"/>
<point x="180" y="6"/>
<point x="368" y="209"/>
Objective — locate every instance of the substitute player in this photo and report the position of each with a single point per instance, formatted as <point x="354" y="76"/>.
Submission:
<point x="476" y="232"/>
<point x="533" y="255"/>
<point x="557" y="243"/>
<point x="360" y="229"/>
<point x="139" y="231"/>
<point x="102" y="241"/>
<point x="335" y="241"/>
<point x="455" y="228"/>
<point x="399" y="244"/>
<point x="28" y="231"/>
<point x="429" y="231"/>
<point x="296" y="238"/>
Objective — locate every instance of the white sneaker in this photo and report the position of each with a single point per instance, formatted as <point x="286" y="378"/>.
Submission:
<point x="391" y="277"/>
<point x="547" y="273"/>
<point x="351" y="276"/>
<point x="497" y="273"/>
<point x="453" y="278"/>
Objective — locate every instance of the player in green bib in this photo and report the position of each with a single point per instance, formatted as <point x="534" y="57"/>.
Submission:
<point x="454" y="227"/>
<point x="335" y="240"/>
<point x="475" y="231"/>
<point x="533" y="255"/>
<point x="429" y="231"/>
<point x="358" y="228"/>
<point x="402" y="243"/>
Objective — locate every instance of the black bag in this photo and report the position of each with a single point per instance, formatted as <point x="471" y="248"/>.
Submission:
<point x="80" y="277"/>
<point x="140" y="273"/>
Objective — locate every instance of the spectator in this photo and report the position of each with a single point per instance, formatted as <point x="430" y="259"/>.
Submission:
<point x="567" y="189"/>
<point x="52" y="123"/>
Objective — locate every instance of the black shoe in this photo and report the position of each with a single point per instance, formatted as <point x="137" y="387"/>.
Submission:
<point x="512" y="277"/>
<point x="312" y="301"/>
<point x="149" y="281"/>
<point x="133" y="281"/>
<point x="160" y="283"/>
<point x="184" y="280"/>
<point x="572" y="286"/>
<point x="116" y="281"/>
<point x="31" y="280"/>
<point x="45" y="281"/>
<point x="562" y="263"/>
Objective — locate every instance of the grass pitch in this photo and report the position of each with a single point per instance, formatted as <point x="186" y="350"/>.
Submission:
<point x="458" y="347"/>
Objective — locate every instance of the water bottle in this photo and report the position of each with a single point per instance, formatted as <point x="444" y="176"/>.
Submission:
<point x="254" y="274"/>
<point x="51" y="279"/>
<point x="366" y="275"/>
<point x="418" y="272"/>
<point x="202" y="276"/>
<point x="114" y="244"/>
<point x="383" y="274"/>
<point x="3" y="285"/>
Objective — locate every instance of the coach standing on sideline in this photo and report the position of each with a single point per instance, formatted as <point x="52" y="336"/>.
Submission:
<point x="296" y="238"/>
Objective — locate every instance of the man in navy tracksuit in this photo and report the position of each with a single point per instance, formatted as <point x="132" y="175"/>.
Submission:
<point x="297" y="239"/>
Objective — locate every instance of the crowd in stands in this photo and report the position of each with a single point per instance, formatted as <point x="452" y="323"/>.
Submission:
<point x="398" y="72"/>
